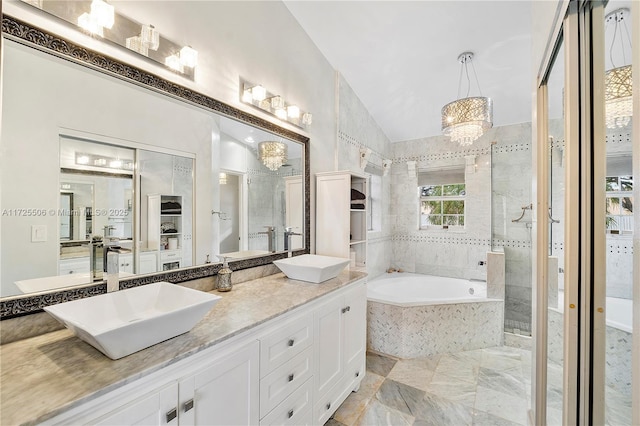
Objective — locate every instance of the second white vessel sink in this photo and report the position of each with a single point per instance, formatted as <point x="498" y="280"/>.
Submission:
<point x="123" y="322"/>
<point x="312" y="267"/>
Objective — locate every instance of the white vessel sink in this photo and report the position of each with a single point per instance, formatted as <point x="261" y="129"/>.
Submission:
<point x="124" y="322"/>
<point x="311" y="267"/>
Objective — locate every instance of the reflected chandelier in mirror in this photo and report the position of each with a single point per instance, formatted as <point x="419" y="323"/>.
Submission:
<point x="30" y="36"/>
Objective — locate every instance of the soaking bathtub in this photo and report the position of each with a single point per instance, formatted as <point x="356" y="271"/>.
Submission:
<point x="412" y="315"/>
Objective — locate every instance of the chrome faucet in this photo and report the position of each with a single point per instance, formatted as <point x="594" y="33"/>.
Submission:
<point x="112" y="265"/>
<point x="108" y="229"/>
<point x="271" y="233"/>
<point x="288" y="233"/>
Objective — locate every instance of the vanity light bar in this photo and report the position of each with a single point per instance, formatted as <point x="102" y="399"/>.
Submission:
<point x="84" y="159"/>
<point x="256" y="95"/>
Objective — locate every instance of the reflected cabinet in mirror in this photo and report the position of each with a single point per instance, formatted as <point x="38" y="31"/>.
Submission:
<point x="91" y="159"/>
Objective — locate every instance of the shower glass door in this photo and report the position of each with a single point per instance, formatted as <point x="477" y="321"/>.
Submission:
<point x="555" y="147"/>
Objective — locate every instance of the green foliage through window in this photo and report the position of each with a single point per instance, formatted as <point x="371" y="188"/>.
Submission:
<point x="442" y="205"/>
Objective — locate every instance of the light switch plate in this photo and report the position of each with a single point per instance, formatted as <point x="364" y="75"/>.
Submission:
<point x="38" y="233"/>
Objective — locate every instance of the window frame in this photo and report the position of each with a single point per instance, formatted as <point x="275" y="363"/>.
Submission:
<point x="442" y="198"/>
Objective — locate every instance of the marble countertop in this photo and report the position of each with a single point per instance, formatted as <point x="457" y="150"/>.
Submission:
<point x="45" y="375"/>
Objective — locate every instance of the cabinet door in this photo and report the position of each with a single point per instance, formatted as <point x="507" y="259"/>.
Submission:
<point x="333" y="225"/>
<point x="355" y="326"/>
<point x="328" y="345"/>
<point x="126" y="263"/>
<point x="225" y="393"/>
<point x="157" y="408"/>
<point x="148" y="263"/>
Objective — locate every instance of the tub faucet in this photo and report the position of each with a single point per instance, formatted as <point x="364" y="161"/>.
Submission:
<point x="288" y="233"/>
<point x="271" y="234"/>
<point x="111" y="264"/>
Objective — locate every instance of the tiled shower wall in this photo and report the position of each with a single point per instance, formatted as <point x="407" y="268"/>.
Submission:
<point x="356" y="130"/>
<point x="511" y="189"/>
<point x="502" y="155"/>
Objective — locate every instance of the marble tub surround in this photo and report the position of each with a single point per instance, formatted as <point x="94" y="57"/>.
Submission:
<point x="60" y="371"/>
<point x="434" y="329"/>
<point x="480" y="387"/>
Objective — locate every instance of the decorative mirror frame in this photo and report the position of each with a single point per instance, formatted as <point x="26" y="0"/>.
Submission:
<point x="16" y="30"/>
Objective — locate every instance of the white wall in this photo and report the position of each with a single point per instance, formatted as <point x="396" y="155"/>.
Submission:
<point x="356" y="130"/>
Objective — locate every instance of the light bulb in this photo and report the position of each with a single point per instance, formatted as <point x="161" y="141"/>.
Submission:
<point x="188" y="57"/>
<point x="259" y="93"/>
<point x="103" y="13"/>
<point x="293" y="111"/>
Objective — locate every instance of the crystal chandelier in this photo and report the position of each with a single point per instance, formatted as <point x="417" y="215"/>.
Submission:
<point x="618" y="81"/>
<point x="465" y="120"/>
<point x="272" y="154"/>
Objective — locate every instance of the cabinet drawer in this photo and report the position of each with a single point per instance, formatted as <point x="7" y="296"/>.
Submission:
<point x="355" y="371"/>
<point x="74" y="266"/>
<point x="285" y="343"/>
<point x="170" y="255"/>
<point x="294" y="410"/>
<point x="281" y="382"/>
<point x="326" y="405"/>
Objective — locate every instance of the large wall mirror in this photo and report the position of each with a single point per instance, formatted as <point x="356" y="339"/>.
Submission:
<point x="90" y="159"/>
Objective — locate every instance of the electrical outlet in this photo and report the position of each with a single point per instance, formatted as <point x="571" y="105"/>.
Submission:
<point x="482" y="263"/>
<point x="38" y="233"/>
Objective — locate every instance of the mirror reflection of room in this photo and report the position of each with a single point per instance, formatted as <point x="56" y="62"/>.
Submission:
<point x="164" y="161"/>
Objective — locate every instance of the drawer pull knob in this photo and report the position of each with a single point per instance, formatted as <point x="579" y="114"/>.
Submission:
<point x="172" y="415"/>
<point x="291" y="342"/>
<point x="357" y="374"/>
<point x="348" y="308"/>
<point x="291" y="377"/>
<point x="188" y="405"/>
<point x="344" y="310"/>
<point x="290" y="413"/>
<point x="328" y="405"/>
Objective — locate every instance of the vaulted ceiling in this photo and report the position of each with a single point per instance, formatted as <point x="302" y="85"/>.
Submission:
<point x="400" y="57"/>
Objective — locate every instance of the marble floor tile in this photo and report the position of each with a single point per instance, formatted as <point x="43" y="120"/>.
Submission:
<point x="509" y="382"/>
<point x="509" y="407"/>
<point x="436" y="411"/>
<point x="379" y="414"/>
<point x="459" y="367"/>
<point x="480" y="418"/>
<point x="617" y="408"/>
<point x="351" y="409"/>
<point x="502" y="361"/>
<point x="413" y="372"/>
<point x="453" y="389"/>
<point x="369" y="385"/>
<point x="399" y="396"/>
<point x="380" y="364"/>
<point x="479" y="387"/>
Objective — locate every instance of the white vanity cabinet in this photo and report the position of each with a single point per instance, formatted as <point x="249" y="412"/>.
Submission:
<point x="154" y="408"/>
<point x="221" y="387"/>
<point x="148" y="262"/>
<point x="340" y="346"/>
<point x="77" y="265"/>
<point x="295" y="369"/>
<point x="126" y="263"/>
